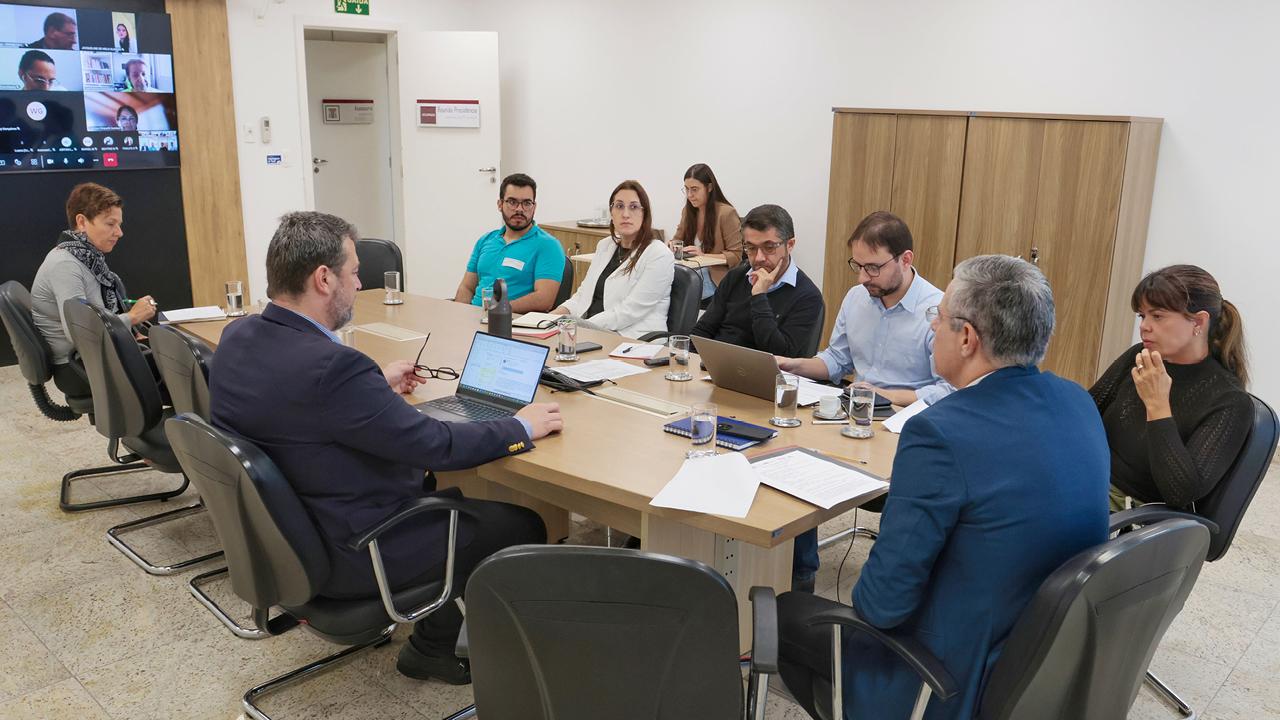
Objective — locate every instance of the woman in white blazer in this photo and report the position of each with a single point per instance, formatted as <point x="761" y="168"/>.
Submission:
<point x="628" y="287"/>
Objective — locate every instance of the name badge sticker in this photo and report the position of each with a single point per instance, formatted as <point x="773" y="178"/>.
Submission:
<point x="513" y="263"/>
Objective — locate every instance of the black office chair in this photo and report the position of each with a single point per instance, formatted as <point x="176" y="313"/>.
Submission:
<point x="577" y="633"/>
<point x="378" y="257"/>
<point x="815" y="340"/>
<point x="1081" y="646"/>
<point x="183" y="361"/>
<point x="276" y="556"/>
<point x="686" y="291"/>
<point x="35" y="358"/>
<point x="127" y="410"/>
<point x="1224" y="506"/>
<point x="566" y="285"/>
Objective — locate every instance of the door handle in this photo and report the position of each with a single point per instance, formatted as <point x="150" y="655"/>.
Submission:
<point x="492" y="170"/>
<point x="318" y="161"/>
<point x="489" y="169"/>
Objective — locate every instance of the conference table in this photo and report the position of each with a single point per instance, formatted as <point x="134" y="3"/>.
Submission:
<point x="611" y="458"/>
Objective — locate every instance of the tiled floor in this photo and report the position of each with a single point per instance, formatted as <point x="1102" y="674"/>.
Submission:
<point x="86" y="634"/>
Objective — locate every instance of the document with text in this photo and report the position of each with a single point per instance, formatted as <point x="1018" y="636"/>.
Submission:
<point x="813" y="479"/>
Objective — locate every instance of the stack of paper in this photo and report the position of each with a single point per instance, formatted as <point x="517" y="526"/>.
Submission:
<point x="720" y="485"/>
<point x="811" y="392"/>
<point x="600" y="370"/>
<point x="813" y="479"/>
<point x="636" y="351"/>
<point x="195" y="314"/>
<point x="900" y="418"/>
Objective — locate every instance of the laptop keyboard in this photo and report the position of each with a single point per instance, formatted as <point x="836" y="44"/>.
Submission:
<point x="468" y="409"/>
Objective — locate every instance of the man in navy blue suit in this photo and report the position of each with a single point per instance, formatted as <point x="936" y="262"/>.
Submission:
<point x="993" y="488"/>
<point x="353" y="449"/>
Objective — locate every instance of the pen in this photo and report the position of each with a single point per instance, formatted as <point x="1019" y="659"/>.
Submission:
<point x="627" y="349"/>
<point x="842" y="457"/>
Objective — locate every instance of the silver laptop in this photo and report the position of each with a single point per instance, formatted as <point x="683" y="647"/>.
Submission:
<point x="500" y="377"/>
<point x="750" y="372"/>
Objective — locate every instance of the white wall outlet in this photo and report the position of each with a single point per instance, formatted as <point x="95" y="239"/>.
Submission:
<point x="286" y="158"/>
<point x="249" y="132"/>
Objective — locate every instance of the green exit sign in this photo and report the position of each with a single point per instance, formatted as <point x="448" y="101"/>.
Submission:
<point x="351" y="7"/>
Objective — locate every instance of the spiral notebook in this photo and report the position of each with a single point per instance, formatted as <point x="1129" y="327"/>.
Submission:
<point x="682" y="428"/>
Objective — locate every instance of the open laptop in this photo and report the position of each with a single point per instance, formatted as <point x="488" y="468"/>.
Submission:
<point x="751" y="372"/>
<point x="500" y="377"/>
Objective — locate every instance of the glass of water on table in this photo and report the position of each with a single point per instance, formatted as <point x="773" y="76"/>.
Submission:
<point x="679" y="359"/>
<point x="235" y="299"/>
<point x="786" y="392"/>
<point x="702" y="429"/>
<point x="862" y="403"/>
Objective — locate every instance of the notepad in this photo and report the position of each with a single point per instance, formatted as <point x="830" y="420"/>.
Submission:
<point x="636" y="351"/>
<point x="536" y="320"/>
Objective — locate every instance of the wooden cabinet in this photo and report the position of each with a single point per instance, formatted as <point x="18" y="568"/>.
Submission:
<point x="1070" y="193"/>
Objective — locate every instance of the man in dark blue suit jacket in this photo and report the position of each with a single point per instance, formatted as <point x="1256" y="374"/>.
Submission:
<point x="352" y="448"/>
<point x="993" y="488"/>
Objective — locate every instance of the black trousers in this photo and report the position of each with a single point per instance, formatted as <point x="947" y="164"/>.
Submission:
<point x="500" y="525"/>
<point x="804" y="652"/>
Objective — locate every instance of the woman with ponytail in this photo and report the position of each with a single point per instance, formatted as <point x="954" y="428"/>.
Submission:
<point x="1174" y="406"/>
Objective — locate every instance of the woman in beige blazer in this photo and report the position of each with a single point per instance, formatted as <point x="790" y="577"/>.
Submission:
<point x="709" y="225"/>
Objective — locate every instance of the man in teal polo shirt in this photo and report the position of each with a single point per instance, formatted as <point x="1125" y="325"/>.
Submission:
<point x="523" y="254"/>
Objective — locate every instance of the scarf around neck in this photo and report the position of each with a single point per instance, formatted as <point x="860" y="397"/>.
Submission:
<point x="78" y="244"/>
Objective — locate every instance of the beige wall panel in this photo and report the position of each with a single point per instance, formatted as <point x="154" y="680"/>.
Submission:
<point x="862" y="149"/>
<point x="998" y="199"/>
<point x="1131" y="239"/>
<point x="210" y="167"/>
<point x="927" y="168"/>
<point x="1075" y="224"/>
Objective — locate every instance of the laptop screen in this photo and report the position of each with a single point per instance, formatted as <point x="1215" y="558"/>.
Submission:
<point x="502" y="369"/>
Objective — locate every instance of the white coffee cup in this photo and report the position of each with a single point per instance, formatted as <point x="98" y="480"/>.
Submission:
<point x="829" y="406"/>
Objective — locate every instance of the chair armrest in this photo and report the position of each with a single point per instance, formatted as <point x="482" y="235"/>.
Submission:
<point x="462" y="649"/>
<point x="1147" y="514"/>
<point x="764" y="630"/>
<point x="408" y="509"/>
<point x="653" y="336"/>
<point x="927" y="666"/>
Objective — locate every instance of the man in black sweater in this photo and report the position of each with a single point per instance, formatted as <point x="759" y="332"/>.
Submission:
<point x="769" y="304"/>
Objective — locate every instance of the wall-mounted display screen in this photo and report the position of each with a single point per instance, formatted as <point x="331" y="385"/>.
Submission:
<point x="83" y="89"/>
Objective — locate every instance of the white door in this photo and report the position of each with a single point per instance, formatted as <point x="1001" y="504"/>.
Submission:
<point x="351" y="163"/>
<point x="450" y="174"/>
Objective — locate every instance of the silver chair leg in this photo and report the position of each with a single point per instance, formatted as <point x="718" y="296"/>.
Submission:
<point x="469" y="712"/>
<point x="218" y="612"/>
<point x="864" y="532"/>
<point x="113" y="536"/>
<point x="757" y="695"/>
<point x="1168" y="694"/>
<point x="253" y="711"/>
<point x="837" y="673"/>
<point x="922" y="702"/>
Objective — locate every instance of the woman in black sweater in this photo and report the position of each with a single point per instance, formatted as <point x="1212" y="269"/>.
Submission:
<point x="1174" y="406"/>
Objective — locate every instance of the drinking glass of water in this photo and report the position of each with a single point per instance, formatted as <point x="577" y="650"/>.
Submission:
<point x="486" y="302"/>
<point x="679" y="345"/>
<point x="786" y="388"/>
<point x="702" y="429"/>
<point x="567" y="341"/>
<point x="862" y="403"/>
<point x="391" y="282"/>
<point x="677" y="247"/>
<point x="235" y="299"/>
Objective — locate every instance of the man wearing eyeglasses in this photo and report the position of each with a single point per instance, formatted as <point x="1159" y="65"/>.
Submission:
<point x="769" y="304"/>
<point x="37" y="71"/>
<point x="59" y="33"/>
<point x="882" y="335"/>
<point x="530" y="260"/>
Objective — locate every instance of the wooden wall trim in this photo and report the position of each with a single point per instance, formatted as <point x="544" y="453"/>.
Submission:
<point x="209" y="143"/>
<point x="1131" y="239"/>
<point x="983" y="113"/>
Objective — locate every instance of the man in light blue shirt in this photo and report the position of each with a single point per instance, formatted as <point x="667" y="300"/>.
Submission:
<point x="881" y="335"/>
<point x="530" y="260"/>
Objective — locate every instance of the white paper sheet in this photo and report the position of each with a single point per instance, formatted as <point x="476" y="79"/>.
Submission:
<point x="814" y="480"/>
<point x="810" y="392"/>
<point x="721" y="485"/>
<point x="600" y="370"/>
<point x="636" y="351"/>
<point x="895" y="423"/>
<point x="195" y="314"/>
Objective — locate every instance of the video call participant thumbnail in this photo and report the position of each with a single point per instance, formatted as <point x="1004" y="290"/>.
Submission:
<point x="59" y="33"/>
<point x="37" y="71"/>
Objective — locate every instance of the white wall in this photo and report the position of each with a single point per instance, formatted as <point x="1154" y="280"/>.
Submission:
<point x="597" y="92"/>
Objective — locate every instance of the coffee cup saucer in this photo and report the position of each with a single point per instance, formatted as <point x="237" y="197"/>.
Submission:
<point x="841" y="415"/>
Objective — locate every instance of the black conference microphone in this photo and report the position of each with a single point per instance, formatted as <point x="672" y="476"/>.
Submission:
<point x="500" y="311"/>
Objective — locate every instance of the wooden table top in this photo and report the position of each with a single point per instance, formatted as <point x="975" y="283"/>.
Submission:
<point x="616" y="454"/>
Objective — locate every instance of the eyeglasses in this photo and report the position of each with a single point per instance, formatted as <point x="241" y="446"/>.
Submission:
<point x="767" y="248"/>
<point x="424" y="372"/>
<point x="686" y="190"/>
<point x="633" y="207"/>
<point x="513" y="203"/>
<point x="933" y="313"/>
<point x="872" y="270"/>
<point x="47" y="83"/>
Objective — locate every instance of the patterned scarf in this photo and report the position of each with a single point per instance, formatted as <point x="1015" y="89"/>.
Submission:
<point x="113" y="294"/>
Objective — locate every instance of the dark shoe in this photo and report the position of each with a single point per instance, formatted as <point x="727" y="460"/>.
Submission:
<point x="450" y="668"/>
<point x="804" y="586"/>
